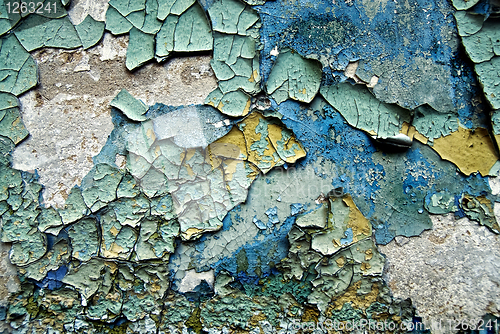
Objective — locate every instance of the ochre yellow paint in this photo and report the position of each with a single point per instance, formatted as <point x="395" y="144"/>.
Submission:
<point x="470" y="150"/>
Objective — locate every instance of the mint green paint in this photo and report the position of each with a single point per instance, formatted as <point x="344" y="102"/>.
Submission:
<point x="467" y="23"/>
<point x="295" y="77"/>
<point x="84" y="239"/>
<point x="141" y="48"/>
<point x="433" y="124"/>
<point x="99" y="186"/>
<point x="37" y="31"/>
<point x="90" y="31"/>
<point x="18" y="70"/>
<point x="488" y="74"/>
<point x="464" y="4"/>
<point x="59" y="255"/>
<point x="151" y="23"/>
<point x="363" y="111"/>
<point x="12" y="126"/>
<point x="74" y="208"/>
<point x="165" y="37"/>
<point x="125" y="7"/>
<point x="49" y="219"/>
<point x="441" y="203"/>
<point x="176" y="7"/>
<point x="192" y="31"/>
<point x="130" y="106"/>
<point x="484" y="44"/>
<point x="116" y="23"/>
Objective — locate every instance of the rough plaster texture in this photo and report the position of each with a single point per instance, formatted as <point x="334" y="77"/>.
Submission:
<point x="68" y="114"/>
<point x="449" y="272"/>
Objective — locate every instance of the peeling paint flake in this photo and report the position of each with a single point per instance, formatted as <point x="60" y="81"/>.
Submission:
<point x="471" y="150"/>
<point x="362" y="110"/>
<point x="90" y="31"/>
<point x="294" y="77"/>
<point x="17" y="67"/>
<point x="341" y="252"/>
<point x="141" y="48"/>
<point x="236" y="58"/>
<point x="489" y="76"/>
<point x="130" y="106"/>
<point x="37" y="31"/>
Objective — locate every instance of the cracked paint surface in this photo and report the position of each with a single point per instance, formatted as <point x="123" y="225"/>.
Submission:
<point x="306" y="188"/>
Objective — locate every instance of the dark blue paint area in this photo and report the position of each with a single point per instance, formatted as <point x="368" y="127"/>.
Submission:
<point x="338" y="33"/>
<point x="53" y="280"/>
<point x="261" y="255"/>
<point x="466" y="90"/>
<point x="202" y="292"/>
<point x="319" y="138"/>
<point x="344" y="32"/>
<point x="3" y="313"/>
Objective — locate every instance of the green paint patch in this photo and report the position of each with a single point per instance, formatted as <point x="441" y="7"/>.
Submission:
<point x="130" y="106"/>
<point x="433" y="124"/>
<point x="37" y="31"/>
<point x="17" y="68"/>
<point x="176" y="7"/>
<point x="57" y="256"/>
<point x="484" y="44"/>
<point x="488" y="74"/>
<point x="363" y="111"/>
<point x="441" y="203"/>
<point x="116" y="23"/>
<point x="84" y="239"/>
<point x="464" y="4"/>
<point x="141" y="49"/>
<point x="189" y="32"/>
<point x="74" y="207"/>
<point x="90" y="31"/>
<point x="341" y="254"/>
<point x="12" y="126"/>
<point x="295" y="77"/>
<point x="232" y="17"/>
<point x="236" y="60"/>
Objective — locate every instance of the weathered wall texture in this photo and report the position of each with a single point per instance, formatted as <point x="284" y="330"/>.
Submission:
<point x="253" y="166"/>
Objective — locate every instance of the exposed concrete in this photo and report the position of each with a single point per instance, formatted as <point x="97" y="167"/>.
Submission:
<point x="68" y="115"/>
<point x="449" y="272"/>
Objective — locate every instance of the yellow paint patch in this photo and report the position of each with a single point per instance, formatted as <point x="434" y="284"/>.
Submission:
<point x="357" y="301"/>
<point x="368" y="254"/>
<point x="190" y="232"/>
<point x="232" y="145"/>
<point x="114" y="251"/>
<point x="247" y="107"/>
<point x="254" y="76"/>
<point x="357" y="222"/>
<point x="471" y="151"/>
<point x="365" y="266"/>
<point x="411" y="132"/>
<point x="114" y="231"/>
<point x="340" y="261"/>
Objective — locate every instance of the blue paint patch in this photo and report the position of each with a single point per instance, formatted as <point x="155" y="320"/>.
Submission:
<point x="297" y="208"/>
<point x="348" y="237"/>
<point x="260" y="225"/>
<point x="54" y="278"/>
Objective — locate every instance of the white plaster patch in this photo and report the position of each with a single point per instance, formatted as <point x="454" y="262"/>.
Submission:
<point x="192" y="279"/>
<point x="449" y="272"/>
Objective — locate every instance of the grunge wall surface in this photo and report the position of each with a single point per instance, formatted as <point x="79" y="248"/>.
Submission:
<point x="227" y="166"/>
